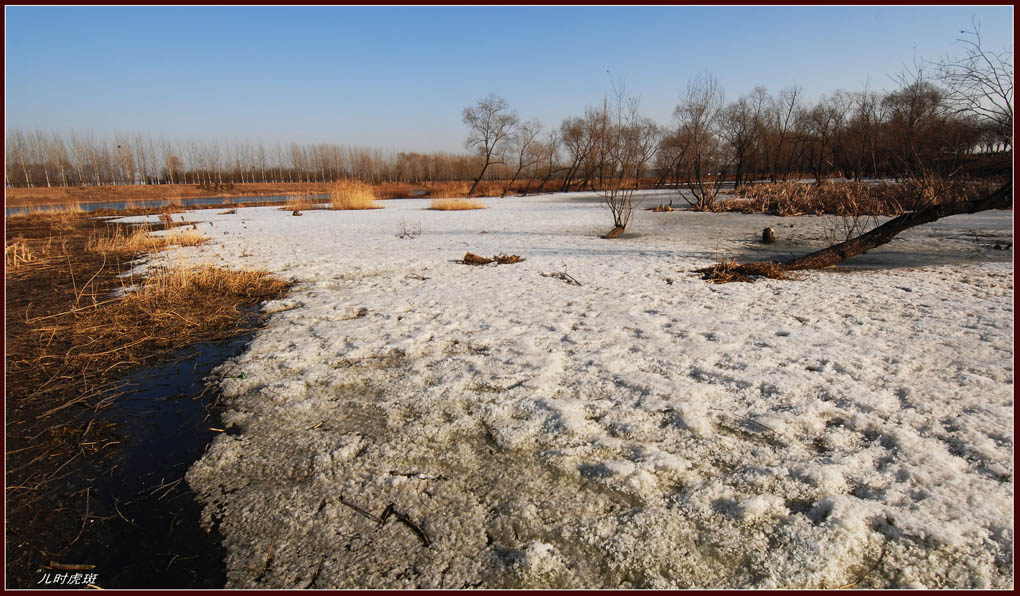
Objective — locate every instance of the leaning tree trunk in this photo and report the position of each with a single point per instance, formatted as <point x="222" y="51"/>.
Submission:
<point x="474" y="184"/>
<point x="837" y="253"/>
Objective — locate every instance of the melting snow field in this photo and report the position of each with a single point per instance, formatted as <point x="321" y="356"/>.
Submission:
<point x="643" y="429"/>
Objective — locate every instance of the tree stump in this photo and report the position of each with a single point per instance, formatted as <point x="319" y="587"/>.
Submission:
<point x="768" y="236"/>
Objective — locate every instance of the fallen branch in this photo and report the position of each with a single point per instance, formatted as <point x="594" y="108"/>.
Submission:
<point x="562" y="275"/>
<point x="407" y="522"/>
<point x="360" y="510"/>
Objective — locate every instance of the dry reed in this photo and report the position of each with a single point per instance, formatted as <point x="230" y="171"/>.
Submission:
<point x="70" y="341"/>
<point x="848" y="198"/>
<point x="396" y="190"/>
<point x="449" y="190"/>
<point x="16" y="253"/>
<point x="118" y="241"/>
<point x="454" y="205"/>
<point x="352" y="194"/>
<point x="489" y="189"/>
<point x="726" y="272"/>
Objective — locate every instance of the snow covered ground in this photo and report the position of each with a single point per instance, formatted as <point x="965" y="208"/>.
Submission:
<point x="642" y="429"/>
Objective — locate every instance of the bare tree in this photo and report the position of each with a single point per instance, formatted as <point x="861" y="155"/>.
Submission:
<point x="981" y="83"/>
<point x="548" y="163"/>
<point x="823" y="122"/>
<point x="491" y="123"/>
<point x="521" y="150"/>
<point x="579" y="140"/>
<point x="646" y="137"/>
<point x="736" y="127"/>
<point x="18" y="151"/>
<point x="619" y="147"/>
<point x="701" y="156"/>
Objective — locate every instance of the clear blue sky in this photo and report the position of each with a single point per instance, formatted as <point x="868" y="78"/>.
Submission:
<point x="398" y="77"/>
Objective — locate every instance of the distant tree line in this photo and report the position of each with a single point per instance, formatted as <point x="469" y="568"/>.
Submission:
<point x="37" y="158"/>
<point x="758" y="136"/>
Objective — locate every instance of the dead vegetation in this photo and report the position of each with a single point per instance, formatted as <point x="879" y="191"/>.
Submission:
<point x="118" y="240"/>
<point x="397" y="190"/>
<point x="471" y="258"/>
<point x="726" y="272"/>
<point x="461" y="190"/>
<point x="448" y="190"/>
<point x="16" y="253"/>
<point x="351" y="195"/>
<point x="454" y="205"/>
<point x="74" y="328"/>
<point x="846" y="198"/>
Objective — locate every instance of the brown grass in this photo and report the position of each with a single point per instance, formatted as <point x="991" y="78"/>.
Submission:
<point x="396" y="190"/>
<point x="726" y="272"/>
<point x="850" y="198"/>
<point x="352" y="194"/>
<point x="118" y="241"/>
<point x="22" y="197"/>
<point x="16" y="253"/>
<point x="454" y="205"/>
<point x="489" y="189"/>
<point x="471" y="258"/>
<point x="70" y="341"/>
<point x="449" y="190"/>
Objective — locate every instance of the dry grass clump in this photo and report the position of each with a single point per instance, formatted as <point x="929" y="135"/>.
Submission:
<point x="16" y="253"/>
<point x="505" y="259"/>
<point x="118" y="241"/>
<point x="916" y="193"/>
<point x="171" y="308"/>
<point x="170" y="287"/>
<point x="95" y="341"/>
<point x="662" y="208"/>
<point x="177" y="237"/>
<point x="471" y="258"/>
<point x="454" y="205"/>
<point x="352" y="194"/>
<point x="847" y="198"/>
<point x="796" y="198"/>
<point x="726" y="272"/>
